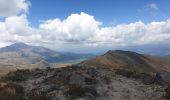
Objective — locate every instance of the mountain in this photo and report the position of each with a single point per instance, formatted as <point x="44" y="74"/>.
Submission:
<point x="23" y="56"/>
<point x="36" y="53"/>
<point x="27" y="50"/>
<point x="132" y="61"/>
<point x="20" y="55"/>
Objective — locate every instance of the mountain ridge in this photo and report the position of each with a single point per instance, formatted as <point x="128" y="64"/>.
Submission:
<point x="119" y="59"/>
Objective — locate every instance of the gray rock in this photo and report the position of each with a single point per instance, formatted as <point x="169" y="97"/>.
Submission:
<point x="163" y="78"/>
<point x="77" y="79"/>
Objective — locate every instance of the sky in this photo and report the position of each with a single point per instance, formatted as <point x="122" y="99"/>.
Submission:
<point x="85" y="25"/>
<point x="107" y="11"/>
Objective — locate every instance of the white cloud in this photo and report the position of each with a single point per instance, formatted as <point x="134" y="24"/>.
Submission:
<point x="83" y="30"/>
<point x="151" y="9"/>
<point x="153" y="6"/>
<point x="76" y="28"/>
<point x="17" y="24"/>
<point x="13" y="7"/>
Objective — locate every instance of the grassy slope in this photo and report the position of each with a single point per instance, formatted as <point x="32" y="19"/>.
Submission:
<point x="130" y="60"/>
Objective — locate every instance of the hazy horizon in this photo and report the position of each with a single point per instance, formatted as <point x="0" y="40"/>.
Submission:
<point x="86" y="26"/>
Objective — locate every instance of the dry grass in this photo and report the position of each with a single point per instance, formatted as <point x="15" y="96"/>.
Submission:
<point x="131" y="61"/>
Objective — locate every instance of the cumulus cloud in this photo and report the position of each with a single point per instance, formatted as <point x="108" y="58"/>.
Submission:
<point x="76" y="28"/>
<point x="17" y="29"/>
<point x="83" y="30"/>
<point x="13" y="7"/>
<point x="17" y="24"/>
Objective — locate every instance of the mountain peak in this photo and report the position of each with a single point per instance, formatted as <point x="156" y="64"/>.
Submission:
<point x="119" y="52"/>
<point x="19" y="44"/>
<point x="15" y="47"/>
<point x="119" y="59"/>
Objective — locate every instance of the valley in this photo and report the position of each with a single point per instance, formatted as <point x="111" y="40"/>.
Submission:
<point x="23" y="56"/>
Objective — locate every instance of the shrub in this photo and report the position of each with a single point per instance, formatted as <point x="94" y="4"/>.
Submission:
<point x="11" y="91"/>
<point x="36" y="94"/>
<point x="125" y="73"/>
<point x="19" y="75"/>
<point x="107" y="79"/>
<point x="23" y="75"/>
<point x="78" y="91"/>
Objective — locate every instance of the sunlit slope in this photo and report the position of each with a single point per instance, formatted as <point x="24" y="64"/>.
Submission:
<point x="129" y="60"/>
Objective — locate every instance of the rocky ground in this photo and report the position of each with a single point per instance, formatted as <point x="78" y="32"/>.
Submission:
<point x="79" y="83"/>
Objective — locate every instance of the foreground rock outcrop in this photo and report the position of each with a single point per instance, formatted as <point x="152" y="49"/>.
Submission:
<point x="76" y="83"/>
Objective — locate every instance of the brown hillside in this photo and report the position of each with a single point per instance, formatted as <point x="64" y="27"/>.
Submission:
<point x="129" y="60"/>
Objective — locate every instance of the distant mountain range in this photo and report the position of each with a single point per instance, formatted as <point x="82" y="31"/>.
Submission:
<point x="23" y="56"/>
<point x="37" y="53"/>
<point x="132" y="61"/>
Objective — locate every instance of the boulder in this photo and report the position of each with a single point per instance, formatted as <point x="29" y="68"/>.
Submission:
<point x="147" y="78"/>
<point x="77" y="79"/>
<point x="167" y="90"/>
<point x="163" y="78"/>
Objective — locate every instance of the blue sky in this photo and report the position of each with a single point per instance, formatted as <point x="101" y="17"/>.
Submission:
<point x="85" y="25"/>
<point x="107" y="11"/>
